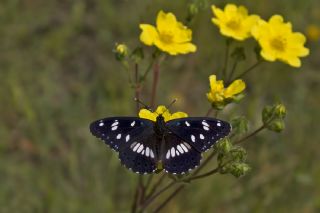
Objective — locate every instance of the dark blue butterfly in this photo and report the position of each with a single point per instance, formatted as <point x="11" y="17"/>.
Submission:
<point x="143" y="144"/>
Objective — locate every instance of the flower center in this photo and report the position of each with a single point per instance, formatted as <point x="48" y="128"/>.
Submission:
<point x="278" y="44"/>
<point x="166" y="37"/>
<point x="233" y="24"/>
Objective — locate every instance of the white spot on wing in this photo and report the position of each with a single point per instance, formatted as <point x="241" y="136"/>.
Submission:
<point x="206" y="128"/>
<point x="133" y="123"/>
<point x="187" y="123"/>
<point x="136" y="147"/>
<point x="201" y="136"/>
<point x="193" y="138"/>
<point x="115" y="123"/>
<point x="187" y="145"/>
<point x="118" y="136"/>
<point x="151" y="154"/>
<point x="204" y="123"/>
<point x="127" y="138"/>
<point x="101" y="124"/>
<point x="184" y="147"/>
<point x="114" y="128"/>
<point x="218" y="124"/>
<point x="173" y="153"/>
<point x="140" y="148"/>
<point x="147" y="151"/>
<point x="180" y="149"/>
<point x="133" y="144"/>
<point x="168" y="154"/>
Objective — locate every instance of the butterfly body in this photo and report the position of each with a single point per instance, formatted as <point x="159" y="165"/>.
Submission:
<point x="175" y="144"/>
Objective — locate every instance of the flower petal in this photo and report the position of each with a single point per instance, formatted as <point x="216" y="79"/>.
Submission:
<point x="235" y="88"/>
<point x="166" y="21"/>
<point x="149" y="34"/>
<point x="177" y="115"/>
<point x="147" y="114"/>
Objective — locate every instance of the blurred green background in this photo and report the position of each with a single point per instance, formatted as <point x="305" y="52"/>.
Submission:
<point x="58" y="73"/>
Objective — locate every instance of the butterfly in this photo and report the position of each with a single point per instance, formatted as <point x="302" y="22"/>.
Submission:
<point x="177" y="145"/>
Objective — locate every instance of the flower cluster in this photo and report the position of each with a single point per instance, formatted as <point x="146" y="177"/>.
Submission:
<point x="275" y="37"/>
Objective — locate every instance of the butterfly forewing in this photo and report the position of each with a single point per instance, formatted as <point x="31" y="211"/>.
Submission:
<point x="118" y="132"/>
<point x="179" y="157"/>
<point x="200" y="133"/>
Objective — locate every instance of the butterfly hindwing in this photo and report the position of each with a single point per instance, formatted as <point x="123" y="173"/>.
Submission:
<point x="178" y="156"/>
<point x="200" y="132"/>
<point x="140" y="156"/>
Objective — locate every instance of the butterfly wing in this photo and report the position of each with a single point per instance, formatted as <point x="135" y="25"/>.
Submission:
<point x="179" y="157"/>
<point x="132" y="137"/>
<point x="200" y="133"/>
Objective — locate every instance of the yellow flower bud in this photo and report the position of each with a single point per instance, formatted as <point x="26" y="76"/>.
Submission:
<point x="121" y="51"/>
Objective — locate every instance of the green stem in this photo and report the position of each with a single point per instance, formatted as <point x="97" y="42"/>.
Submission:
<point x="234" y="67"/>
<point x="137" y="86"/>
<point x="166" y="201"/>
<point x="248" y="70"/>
<point x="152" y="198"/>
<point x="204" y="175"/>
<point x="156" y="185"/>
<point x="144" y="76"/>
<point x="226" y="59"/>
<point x="256" y="131"/>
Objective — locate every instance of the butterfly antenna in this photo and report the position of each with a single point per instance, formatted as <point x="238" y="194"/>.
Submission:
<point x="140" y="102"/>
<point x="170" y="105"/>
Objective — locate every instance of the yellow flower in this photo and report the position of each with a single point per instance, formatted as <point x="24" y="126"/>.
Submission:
<point x="169" y="35"/>
<point x="218" y="94"/>
<point x="313" y="32"/>
<point x="234" y="21"/>
<point x="161" y="110"/>
<point x="278" y="42"/>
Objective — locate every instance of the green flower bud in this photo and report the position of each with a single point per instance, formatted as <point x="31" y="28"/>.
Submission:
<point x="192" y="11"/>
<point x="238" y="154"/>
<point x="121" y="51"/>
<point x="240" y="125"/>
<point x="280" y="111"/>
<point x="224" y="146"/>
<point x="277" y="125"/>
<point x="238" y="169"/>
<point x="267" y="114"/>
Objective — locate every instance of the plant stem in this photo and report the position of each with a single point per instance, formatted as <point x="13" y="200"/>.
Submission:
<point x="250" y="135"/>
<point x="226" y="59"/>
<point x="137" y="86"/>
<point x="204" y="175"/>
<point x="137" y="196"/>
<point x="209" y="111"/>
<point x="144" y="76"/>
<point x="156" y="185"/>
<point x="149" y="201"/>
<point x="234" y="67"/>
<point x="166" y="201"/>
<point x="248" y="70"/>
<point x="156" y="71"/>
